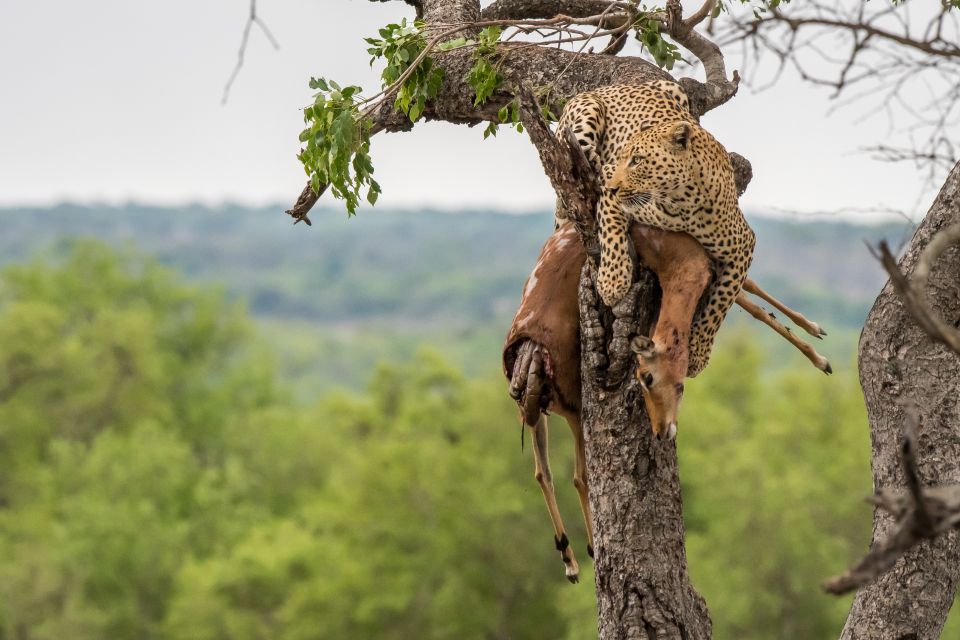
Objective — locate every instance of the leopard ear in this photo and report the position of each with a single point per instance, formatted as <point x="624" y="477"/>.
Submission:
<point x="679" y="135"/>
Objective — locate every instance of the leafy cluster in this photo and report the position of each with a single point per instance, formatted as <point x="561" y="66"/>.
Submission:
<point x="510" y="114"/>
<point x="483" y="76"/>
<point x="337" y="138"/>
<point x="647" y="32"/>
<point x="401" y="46"/>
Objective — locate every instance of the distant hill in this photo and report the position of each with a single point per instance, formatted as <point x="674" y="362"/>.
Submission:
<point x="341" y="294"/>
<point x="416" y="266"/>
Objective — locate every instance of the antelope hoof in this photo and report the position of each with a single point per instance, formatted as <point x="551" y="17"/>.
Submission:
<point x="570" y="563"/>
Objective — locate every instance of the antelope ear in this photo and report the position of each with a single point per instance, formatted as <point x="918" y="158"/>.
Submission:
<point x="643" y="347"/>
<point x="679" y="135"/>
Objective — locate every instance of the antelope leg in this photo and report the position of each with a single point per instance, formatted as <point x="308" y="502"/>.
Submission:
<point x="767" y="318"/>
<point x="580" y="478"/>
<point x="796" y="317"/>
<point x="542" y="473"/>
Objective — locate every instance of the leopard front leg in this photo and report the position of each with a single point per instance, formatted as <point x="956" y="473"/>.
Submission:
<point x="616" y="263"/>
<point x="723" y="294"/>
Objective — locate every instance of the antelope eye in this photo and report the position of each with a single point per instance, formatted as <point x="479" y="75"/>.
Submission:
<point x="680" y="388"/>
<point x="648" y="380"/>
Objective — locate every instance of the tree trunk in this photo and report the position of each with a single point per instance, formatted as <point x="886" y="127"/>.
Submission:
<point x="643" y="589"/>
<point x="900" y="363"/>
<point x="641" y="576"/>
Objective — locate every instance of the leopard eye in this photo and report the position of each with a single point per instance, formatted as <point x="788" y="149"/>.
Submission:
<point x="635" y="160"/>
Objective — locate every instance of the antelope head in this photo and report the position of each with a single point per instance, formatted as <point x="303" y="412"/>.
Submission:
<point x="661" y="369"/>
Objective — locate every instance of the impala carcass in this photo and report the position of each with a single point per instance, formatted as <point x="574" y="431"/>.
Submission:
<point x="541" y="355"/>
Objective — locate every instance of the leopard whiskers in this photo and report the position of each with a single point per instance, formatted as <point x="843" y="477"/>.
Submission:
<point x="640" y="199"/>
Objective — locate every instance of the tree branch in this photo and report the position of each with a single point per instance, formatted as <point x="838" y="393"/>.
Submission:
<point x="252" y="19"/>
<point x="914" y="294"/>
<point x="920" y="514"/>
<point x="717" y="89"/>
<point x="574" y="9"/>
<point x="558" y="74"/>
<point x="909" y="73"/>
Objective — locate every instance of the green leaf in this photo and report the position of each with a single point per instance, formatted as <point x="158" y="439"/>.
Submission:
<point x="451" y="44"/>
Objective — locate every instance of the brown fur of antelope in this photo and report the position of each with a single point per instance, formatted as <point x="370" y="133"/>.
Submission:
<point x="543" y="344"/>
<point x="683" y="269"/>
<point x="541" y="355"/>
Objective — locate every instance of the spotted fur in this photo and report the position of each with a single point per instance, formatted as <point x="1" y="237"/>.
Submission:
<point x="660" y="168"/>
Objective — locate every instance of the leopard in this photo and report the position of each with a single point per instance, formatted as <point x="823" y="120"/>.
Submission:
<point x="659" y="167"/>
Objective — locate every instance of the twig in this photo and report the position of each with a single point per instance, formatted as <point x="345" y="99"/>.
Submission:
<point x="252" y="19"/>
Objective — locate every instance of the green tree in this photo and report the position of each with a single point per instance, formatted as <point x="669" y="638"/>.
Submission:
<point x="117" y="383"/>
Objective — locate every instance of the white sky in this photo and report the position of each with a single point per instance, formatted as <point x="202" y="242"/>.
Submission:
<point x="114" y="100"/>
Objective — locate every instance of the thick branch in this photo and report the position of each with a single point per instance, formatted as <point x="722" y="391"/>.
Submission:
<point x="920" y="513"/>
<point x="717" y="89"/>
<point x="558" y="74"/>
<point x="522" y="9"/>
<point x="450" y="11"/>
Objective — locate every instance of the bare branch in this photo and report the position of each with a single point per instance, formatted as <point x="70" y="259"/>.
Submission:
<point x="921" y="514"/>
<point x="717" y="88"/>
<point x="873" y="51"/>
<point x="914" y="294"/>
<point x="701" y="14"/>
<point x="252" y="19"/>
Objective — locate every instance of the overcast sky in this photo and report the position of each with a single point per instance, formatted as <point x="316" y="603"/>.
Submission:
<point x="113" y="100"/>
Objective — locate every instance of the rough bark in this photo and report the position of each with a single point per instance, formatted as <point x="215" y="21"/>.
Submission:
<point x="899" y="363"/>
<point x="643" y="589"/>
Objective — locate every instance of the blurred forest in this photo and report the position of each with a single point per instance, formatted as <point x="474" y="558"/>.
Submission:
<point x="170" y="468"/>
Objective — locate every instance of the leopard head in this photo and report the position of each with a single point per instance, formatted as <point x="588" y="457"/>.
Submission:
<point x="658" y="167"/>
